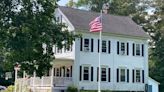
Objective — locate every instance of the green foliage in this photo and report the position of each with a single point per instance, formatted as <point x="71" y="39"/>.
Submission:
<point x="72" y="89"/>
<point x="24" y="26"/>
<point x="9" y="89"/>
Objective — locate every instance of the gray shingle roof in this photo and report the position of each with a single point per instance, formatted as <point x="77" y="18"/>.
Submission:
<point x="120" y="25"/>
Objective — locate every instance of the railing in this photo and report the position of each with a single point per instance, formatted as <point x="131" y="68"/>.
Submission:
<point x="62" y="81"/>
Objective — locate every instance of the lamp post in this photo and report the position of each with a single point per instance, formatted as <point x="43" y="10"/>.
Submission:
<point x="16" y="68"/>
<point x="52" y="75"/>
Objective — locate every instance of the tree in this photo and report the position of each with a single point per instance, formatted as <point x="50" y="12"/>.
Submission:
<point x="25" y="25"/>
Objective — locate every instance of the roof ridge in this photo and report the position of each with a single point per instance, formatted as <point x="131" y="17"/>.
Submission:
<point x="92" y="11"/>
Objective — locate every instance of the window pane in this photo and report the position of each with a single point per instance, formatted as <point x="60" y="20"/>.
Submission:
<point x="86" y="42"/>
<point x="103" y="46"/>
<point x="138" y="77"/>
<point x="86" y="73"/>
<point x="103" y="74"/>
<point x="138" y="49"/>
<point x="122" y="75"/>
<point x="122" y="48"/>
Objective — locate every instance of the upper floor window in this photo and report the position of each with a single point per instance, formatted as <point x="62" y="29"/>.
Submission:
<point x="104" y="46"/>
<point x="86" y="45"/>
<point x="122" y="48"/>
<point x="138" y="49"/>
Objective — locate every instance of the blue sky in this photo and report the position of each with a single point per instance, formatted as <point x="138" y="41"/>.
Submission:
<point x="63" y="2"/>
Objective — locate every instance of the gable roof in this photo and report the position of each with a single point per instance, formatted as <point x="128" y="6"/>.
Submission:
<point x="120" y="25"/>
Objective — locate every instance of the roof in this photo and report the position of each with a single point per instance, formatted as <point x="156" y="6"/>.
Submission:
<point x="120" y="25"/>
<point x="151" y="79"/>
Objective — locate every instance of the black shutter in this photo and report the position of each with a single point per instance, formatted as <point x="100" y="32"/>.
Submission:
<point x="91" y="45"/>
<point x="127" y="75"/>
<point x="81" y="44"/>
<point x="127" y="48"/>
<point x="117" y="47"/>
<point x="117" y="75"/>
<point x="97" y="73"/>
<point x="108" y="74"/>
<point x="71" y="71"/>
<point x="143" y="76"/>
<point x="91" y="73"/>
<point x="98" y="45"/>
<point x="80" y="72"/>
<point x="133" y="76"/>
<point x="142" y="50"/>
<point x="133" y="49"/>
<point x="54" y="71"/>
<point x="109" y="47"/>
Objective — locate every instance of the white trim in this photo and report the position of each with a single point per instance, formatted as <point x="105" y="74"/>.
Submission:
<point x="71" y="25"/>
<point x="149" y="78"/>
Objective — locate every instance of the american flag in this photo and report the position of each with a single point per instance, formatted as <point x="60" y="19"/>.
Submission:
<point x="96" y="25"/>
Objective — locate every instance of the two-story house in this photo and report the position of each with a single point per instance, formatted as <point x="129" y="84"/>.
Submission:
<point x="124" y="54"/>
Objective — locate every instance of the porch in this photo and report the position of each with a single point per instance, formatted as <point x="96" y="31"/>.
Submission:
<point x="62" y="75"/>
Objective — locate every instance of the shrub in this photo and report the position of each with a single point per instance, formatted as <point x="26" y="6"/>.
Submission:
<point x="72" y="89"/>
<point x="10" y="89"/>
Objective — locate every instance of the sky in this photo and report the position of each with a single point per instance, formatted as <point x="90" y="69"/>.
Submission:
<point x="63" y="2"/>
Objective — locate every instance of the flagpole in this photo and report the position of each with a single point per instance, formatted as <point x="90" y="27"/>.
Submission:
<point x="99" y="80"/>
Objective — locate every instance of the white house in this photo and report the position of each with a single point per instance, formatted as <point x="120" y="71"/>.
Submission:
<point x="153" y="86"/>
<point x="124" y="57"/>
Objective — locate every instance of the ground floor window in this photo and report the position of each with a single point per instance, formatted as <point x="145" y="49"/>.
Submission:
<point x="85" y="73"/>
<point x="103" y="74"/>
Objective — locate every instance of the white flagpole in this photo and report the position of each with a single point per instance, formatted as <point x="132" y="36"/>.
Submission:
<point x="99" y="80"/>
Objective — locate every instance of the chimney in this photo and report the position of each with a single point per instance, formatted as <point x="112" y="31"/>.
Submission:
<point x="105" y="8"/>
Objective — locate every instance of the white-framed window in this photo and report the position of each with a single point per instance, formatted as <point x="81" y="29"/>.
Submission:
<point x="86" y="46"/>
<point x="104" y="46"/>
<point x="103" y="74"/>
<point x="86" y="72"/>
<point x="122" y="74"/>
<point x="138" y="50"/>
<point x="122" y="48"/>
<point x="138" y="75"/>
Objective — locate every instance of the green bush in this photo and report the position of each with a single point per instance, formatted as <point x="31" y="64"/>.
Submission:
<point x="72" y="89"/>
<point x="10" y="89"/>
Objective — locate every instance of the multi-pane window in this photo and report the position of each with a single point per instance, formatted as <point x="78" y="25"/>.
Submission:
<point x="104" y="46"/>
<point x="86" y="44"/>
<point x="122" y="75"/>
<point x="138" y="49"/>
<point x="138" y="76"/>
<point x="122" y="48"/>
<point x="103" y="74"/>
<point x="85" y="73"/>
